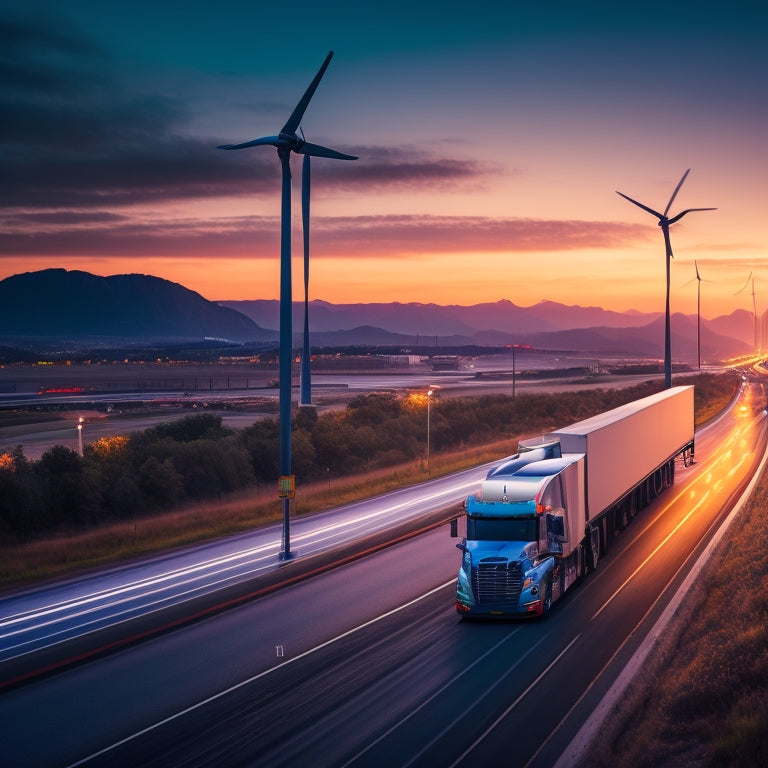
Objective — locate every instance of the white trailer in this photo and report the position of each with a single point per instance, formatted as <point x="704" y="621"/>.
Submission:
<point x="625" y="445"/>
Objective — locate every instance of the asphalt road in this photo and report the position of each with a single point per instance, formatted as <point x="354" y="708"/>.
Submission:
<point x="368" y="664"/>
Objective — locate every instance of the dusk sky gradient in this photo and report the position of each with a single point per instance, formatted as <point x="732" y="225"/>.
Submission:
<point x="492" y="139"/>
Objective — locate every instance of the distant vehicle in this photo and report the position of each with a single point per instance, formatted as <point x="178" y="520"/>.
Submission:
<point x="543" y="519"/>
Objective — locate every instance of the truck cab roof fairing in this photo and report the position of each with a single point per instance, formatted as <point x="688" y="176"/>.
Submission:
<point x="510" y="488"/>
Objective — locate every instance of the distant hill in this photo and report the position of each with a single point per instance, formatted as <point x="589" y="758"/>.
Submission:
<point x="57" y="303"/>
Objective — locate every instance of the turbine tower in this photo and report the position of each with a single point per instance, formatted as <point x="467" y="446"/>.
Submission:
<point x="665" y="222"/>
<point x="699" y="280"/>
<point x="305" y="392"/>
<point x="754" y="305"/>
<point x="286" y="142"/>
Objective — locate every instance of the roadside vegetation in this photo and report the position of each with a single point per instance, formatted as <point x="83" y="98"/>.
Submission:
<point x="191" y="479"/>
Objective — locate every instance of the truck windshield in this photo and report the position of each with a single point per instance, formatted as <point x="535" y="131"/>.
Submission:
<point x="502" y="529"/>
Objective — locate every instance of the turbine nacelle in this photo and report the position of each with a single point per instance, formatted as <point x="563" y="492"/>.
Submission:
<point x="292" y="143"/>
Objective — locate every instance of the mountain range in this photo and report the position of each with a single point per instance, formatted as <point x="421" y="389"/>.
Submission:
<point x="546" y="325"/>
<point x="82" y="308"/>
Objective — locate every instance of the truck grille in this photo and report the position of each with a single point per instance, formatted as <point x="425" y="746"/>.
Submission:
<point x="495" y="580"/>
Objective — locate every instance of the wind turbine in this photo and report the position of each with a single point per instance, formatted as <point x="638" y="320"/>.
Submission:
<point x="699" y="281"/>
<point x="665" y="222"/>
<point x="286" y="142"/>
<point x="754" y="304"/>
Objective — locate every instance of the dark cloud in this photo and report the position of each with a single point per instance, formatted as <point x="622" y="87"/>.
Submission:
<point x="60" y="218"/>
<point x="35" y="56"/>
<point x="379" y="167"/>
<point x="74" y="134"/>
<point x="392" y="235"/>
<point x="258" y="236"/>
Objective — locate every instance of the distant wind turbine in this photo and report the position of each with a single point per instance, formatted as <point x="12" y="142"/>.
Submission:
<point x="699" y="281"/>
<point x="754" y="304"/>
<point x="665" y="222"/>
<point x="286" y="142"/>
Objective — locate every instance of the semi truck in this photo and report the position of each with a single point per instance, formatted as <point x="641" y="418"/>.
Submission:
<point x="544" y="517"/>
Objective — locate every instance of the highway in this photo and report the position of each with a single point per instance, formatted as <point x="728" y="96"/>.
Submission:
<point x="41" y="619"/>
<point x="368" y="664"/>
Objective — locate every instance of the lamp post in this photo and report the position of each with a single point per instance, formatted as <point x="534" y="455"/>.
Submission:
<point x="514" y="347"/>
<point x="429" y="401"/>
<point x="80" y="421"/>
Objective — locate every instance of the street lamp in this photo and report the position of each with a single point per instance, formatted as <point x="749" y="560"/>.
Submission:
<point x="429" y="401"/>
<point x="80" y="435"/>
<point x="514" y="347"/>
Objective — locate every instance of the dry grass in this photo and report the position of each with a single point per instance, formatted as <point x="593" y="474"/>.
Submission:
<point x="706" y="703"/>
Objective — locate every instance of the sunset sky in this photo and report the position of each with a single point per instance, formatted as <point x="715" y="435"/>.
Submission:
<point x="492" y="139"/>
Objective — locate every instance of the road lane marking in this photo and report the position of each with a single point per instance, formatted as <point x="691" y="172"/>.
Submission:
<point x="243" y="683"/>
<point x="652" y="554"/>
<point x="515" y="702"/>
<point x="705" y="479"/>
<point x="445" y="686"/>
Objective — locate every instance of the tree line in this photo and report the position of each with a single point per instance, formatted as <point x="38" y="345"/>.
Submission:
<point x="197" y="458"/>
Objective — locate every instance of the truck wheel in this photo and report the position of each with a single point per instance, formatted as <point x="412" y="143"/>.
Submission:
<point x="546" y="601"/>
<point x="594" y="548"/>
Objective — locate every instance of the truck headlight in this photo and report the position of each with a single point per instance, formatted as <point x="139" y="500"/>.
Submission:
<point x="530" y="580"/>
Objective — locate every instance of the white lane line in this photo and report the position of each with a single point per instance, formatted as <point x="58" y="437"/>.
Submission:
<point x="260" y="675"/>
<point x="652" y="555"/>
<point x="493" y="725"/>
<point x="685" y="491"/>
<point x="421" y="706"/>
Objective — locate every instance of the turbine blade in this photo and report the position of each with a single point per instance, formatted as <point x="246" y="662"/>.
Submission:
<point x="295" y="118"/>
<point x="688" y="210"/>
<point x="696" y="265"/>
<point x="640" y="205"/>
<point x="674" y="194"/>
<point x="317" y="151"/>
<point x="269" y="140"/>
<point x="744" y="286"/>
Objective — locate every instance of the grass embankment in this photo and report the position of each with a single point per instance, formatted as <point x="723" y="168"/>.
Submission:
<point x="703" y="700"/>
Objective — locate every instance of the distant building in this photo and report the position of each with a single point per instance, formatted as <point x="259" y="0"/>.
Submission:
<point x="402" y="360"/>
<point x="445" y="363"/>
